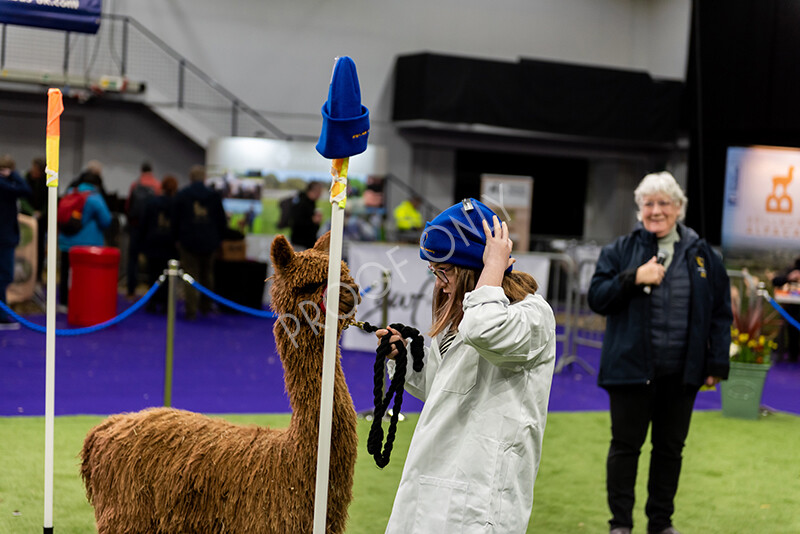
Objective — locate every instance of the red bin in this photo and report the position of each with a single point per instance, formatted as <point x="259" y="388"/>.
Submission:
<point x="93" y="285"/>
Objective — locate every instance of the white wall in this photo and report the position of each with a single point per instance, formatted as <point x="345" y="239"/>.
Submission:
<point x="277" y="55"/>
<point x="120" y="137"/>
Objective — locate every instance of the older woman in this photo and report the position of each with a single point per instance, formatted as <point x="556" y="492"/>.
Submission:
<point x="666" y="297"/>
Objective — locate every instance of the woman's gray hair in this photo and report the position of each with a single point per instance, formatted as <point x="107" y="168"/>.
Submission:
<point x="658" y="183"/>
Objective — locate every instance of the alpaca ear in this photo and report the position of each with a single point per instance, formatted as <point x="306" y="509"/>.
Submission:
<point x="281" y="252"/>
<point x="323" y="244"/>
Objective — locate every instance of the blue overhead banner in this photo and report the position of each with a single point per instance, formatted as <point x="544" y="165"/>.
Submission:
<point x="68" y="15"/>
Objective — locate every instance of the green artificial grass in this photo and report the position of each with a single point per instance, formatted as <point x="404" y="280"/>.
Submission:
<point x="738" y="476"/>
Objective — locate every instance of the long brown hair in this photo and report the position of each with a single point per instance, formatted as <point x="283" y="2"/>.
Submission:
<point x="447" y="308"/>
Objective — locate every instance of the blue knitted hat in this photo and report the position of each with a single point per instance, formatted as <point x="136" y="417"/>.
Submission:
<point x="345" y="122"/>
<point x="456" y="235"/>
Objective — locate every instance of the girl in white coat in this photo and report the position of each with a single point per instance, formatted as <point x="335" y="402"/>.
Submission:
<point x="475" y="452"/>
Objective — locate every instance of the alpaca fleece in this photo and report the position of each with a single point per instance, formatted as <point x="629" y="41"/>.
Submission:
<point x="163" y="470"/>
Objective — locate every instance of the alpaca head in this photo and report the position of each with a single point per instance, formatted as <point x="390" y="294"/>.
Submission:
<point x="300" y="284"/>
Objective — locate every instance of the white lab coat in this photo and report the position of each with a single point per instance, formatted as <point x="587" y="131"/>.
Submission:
<point x="475" y="451"/>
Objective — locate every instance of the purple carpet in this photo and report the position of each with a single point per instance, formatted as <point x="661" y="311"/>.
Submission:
<point x="227" y="363"/>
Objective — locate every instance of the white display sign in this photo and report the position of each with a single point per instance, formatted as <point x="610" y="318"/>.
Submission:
<point x="511" y="197"/>
<point x="410" y="291"/>
<point x="503" y="191"/>
<point x="762" y="187"/>
<point x="536" y="266"/>
<point x="240" y="153"/>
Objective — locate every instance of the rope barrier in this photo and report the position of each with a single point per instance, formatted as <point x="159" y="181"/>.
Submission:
<point x="789" y="319"/>
<point x="234" y="305"/>
<point x="88" y="329"/>
<point x="141" y="302"/>
<point x="229" y="303"/>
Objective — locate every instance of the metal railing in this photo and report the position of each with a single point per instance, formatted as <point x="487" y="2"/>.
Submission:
<point x="126" y="57"/>
<point x="561" y="283"/>
<point x="586" y="326"/>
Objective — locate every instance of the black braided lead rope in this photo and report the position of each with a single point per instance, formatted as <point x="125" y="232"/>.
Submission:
<point x="395" y="389"/>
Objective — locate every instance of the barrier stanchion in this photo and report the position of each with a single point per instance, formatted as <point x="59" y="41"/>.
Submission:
<point x="172" y="272"/>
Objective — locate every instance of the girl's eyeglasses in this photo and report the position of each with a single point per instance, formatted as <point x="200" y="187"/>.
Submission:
<point x="439" y="273"/>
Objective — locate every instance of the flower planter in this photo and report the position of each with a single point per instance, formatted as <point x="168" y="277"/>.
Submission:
<point x="741" y="393"/>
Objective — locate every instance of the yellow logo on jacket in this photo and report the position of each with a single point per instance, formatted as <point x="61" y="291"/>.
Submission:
<point x="701" y="266"/>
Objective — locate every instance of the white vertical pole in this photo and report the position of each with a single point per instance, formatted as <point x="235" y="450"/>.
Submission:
<point x="329" y="354"/>
<point x="54" y="109"/>
<point x="50" y="357"/>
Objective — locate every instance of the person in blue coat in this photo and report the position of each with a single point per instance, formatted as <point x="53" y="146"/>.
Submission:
<point x="666" y="297"/>
<point x="12" y="188"/>
<point x="96" y="217"/>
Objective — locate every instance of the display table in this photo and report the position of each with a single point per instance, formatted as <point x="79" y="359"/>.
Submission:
<point x="786" y="297"/>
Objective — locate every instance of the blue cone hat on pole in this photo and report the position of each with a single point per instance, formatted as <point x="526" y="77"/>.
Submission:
<point x="345" y="122"/>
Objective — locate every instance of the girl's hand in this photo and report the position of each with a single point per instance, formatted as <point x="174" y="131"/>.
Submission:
<point x="396" y="336"/>
<point x="497" y="254"/>
<point x="498" y="245"/>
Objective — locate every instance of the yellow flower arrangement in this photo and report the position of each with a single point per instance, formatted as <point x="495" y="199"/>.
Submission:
<point x="750" y="350"/>
<point x="753" y="330"/>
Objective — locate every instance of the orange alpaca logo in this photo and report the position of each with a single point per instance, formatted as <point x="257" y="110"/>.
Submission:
<point x="780" y="203"/>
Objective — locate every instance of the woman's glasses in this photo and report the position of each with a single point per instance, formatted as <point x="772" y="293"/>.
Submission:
<point x="439" y="273"/>
<point x="663" y="204"/>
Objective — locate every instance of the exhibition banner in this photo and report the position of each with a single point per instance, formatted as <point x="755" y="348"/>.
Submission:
<point x="761" y="187"/>
<point x="410" y="290"/>
<point x="255" y="176"/>
<point x="69" y="15"/>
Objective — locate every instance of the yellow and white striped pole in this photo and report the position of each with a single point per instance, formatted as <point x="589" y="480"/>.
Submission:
<point x="55" y="107"/>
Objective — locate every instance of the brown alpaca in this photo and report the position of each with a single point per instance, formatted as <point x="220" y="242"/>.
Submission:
<point x="163" y="470"/>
